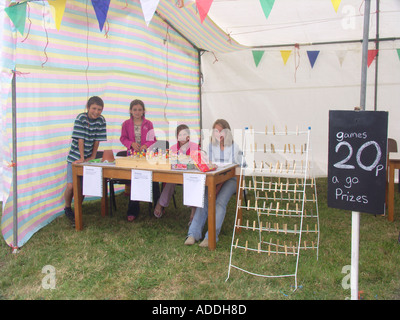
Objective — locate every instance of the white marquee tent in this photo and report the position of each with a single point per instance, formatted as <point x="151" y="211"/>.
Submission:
<point x="296" y="60"/>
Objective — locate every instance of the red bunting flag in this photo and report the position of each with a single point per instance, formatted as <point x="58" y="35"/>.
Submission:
<point x="371" y="56"/>
<point x="203" y="6"/>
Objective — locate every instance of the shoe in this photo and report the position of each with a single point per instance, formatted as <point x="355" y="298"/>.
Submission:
<point x="70" y="215"/>
<point x="159" y="211"/>
<point x="131" y="218"/>
<point x="190" y="241"/>
<point x="204" y="243"/>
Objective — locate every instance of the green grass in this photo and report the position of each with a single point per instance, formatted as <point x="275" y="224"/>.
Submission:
<point x="113" y="259"/>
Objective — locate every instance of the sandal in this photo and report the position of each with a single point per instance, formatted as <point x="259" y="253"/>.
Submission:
<point x="159" y="210"/>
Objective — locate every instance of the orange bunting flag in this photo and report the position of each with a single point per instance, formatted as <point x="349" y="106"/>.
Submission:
<point x="203" y="6"/>
<point x="371" y="56"/>
<point x="257" y="55"/>
<point x="336" y="4"/>
<point x="59" y="7"/>
<point x="285" y="55"/>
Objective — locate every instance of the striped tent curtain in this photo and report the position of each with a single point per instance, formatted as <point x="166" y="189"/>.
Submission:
<point x="58" y="70"/>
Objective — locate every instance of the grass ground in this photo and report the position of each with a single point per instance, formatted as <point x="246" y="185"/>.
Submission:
<point x="146" y="260"/>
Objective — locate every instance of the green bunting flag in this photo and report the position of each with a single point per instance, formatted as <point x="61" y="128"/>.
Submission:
<point x="267" y="6"/>
<point x="17" y="14"/>
<point x="257" y="55"/>
<point x="398" y="53"/>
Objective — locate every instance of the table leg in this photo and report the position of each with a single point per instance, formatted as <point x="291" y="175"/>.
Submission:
<point x="391" y="193"/>
<point x="104" y="199"/>
<point x="239" y="193"/>
<point x="212" y="242"/>
<point x="77" y="198"/>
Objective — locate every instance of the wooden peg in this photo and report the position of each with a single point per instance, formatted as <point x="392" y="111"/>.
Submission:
<point x="248" y="205"/>
<point x="305" y="245"/>
<point x="273" y="129"/>
<point x="254" y="225"/>
<point x="265" y="148"/>
<point x="277" y="208"/>
<point x="237" y="241"/>
<point x="295" y="229"/>
<point x="266" y="130"/>
<point x="247" y="242"/>
<point x="286" y="129"/>
<point x="247" y="225"/>
<point x="285" y="250"/>
<point x="259" y="247"/>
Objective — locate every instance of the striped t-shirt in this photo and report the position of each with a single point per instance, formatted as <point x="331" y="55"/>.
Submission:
<point x="89" y="130"/>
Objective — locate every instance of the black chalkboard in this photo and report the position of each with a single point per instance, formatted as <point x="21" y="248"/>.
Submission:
<point x="357" y="160"/>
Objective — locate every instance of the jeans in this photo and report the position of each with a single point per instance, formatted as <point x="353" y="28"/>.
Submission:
<point x="201" y="214"/>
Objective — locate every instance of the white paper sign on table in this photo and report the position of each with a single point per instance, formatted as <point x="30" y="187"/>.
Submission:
<point x="92" y="181"/>
<point x="142" y="185"/>
<point x="193" y="189"/>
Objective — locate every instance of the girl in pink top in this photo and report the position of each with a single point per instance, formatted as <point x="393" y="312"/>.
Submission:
<point x="184" y="146"/>
<point x="137" y="134"/>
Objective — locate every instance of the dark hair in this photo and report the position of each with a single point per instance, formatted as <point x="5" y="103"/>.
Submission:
<point x="135" y="102"/>
<point x="95" y="100"/>
<point x="180" y="128"/>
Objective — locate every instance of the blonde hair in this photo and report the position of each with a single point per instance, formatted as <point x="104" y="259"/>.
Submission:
<point x="228" y="139"/>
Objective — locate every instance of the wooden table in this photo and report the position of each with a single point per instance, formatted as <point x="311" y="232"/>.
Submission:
<point x="394" y="163"/>
<point x="169" y="176"/>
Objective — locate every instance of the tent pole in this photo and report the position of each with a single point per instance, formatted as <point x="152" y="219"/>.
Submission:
<point x="321" y="43"/>
<point x="14" y="163"/>
<point x="355" y="219"/>
<point x="377" y="56"/>
<point x="199" y="53"/>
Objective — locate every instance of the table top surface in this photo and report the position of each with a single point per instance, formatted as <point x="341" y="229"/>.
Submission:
<point x="220" y="168"/>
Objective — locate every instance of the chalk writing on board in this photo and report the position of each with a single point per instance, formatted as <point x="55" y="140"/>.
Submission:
<point x="357" y="160"/>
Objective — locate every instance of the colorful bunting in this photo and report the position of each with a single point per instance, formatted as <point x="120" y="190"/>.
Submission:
<point x="59" y="7"/>
<point x="371" y="56"/>
<point x="267" y="6"/>
<point x="17" y="14"/>
<point x="203" y="6"/>
<point x="336" y="4"/>
<point x="285" y="55"/>
<point x="148" y="8"/>
<point x="101" y="9"/>
<point x="312" y="56"/>
<point x="257" y="55"/>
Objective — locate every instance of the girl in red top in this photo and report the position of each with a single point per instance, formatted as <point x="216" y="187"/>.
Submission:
<point x="184" y="146"/>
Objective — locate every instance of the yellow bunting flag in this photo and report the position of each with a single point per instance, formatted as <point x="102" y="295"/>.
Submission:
<point x="285" y="55"/>
<point x="59" y="7"/>
<point x="336" y="4"/>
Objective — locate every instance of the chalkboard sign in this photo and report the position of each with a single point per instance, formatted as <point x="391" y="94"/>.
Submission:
<point x="357" y="160"/>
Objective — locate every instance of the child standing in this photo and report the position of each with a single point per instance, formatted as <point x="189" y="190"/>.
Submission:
<point x="89" y="130"/>
<point x="184" y="146"/>
<point x="137" y="134"/>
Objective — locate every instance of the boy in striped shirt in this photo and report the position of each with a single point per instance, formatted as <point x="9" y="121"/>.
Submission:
<point x="89" y="130"/>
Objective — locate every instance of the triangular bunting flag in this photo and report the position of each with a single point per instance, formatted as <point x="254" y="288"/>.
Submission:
<point x="398" y="53"/>
<point x="336" y="4"/>
<point x="371" y="56"/>
<point x="312" y="56"/>
<point x="17" y="14"/>
<point x="267" y="5"/>
<point x="101" y="9"/>
<point x="341" y="54"/>
<point x="59" y="7"/>
<point x="148" y="8"/>
<point x="203" y="6"/>
<point x="285" y="55"/>
<point x="257" y="55"/>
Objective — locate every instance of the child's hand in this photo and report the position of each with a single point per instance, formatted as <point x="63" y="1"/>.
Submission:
<point x="136" y="146"/>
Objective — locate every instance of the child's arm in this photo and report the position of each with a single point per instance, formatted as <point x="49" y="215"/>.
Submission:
<point x="94" y="152"/>
<point x="81" y="146"/>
